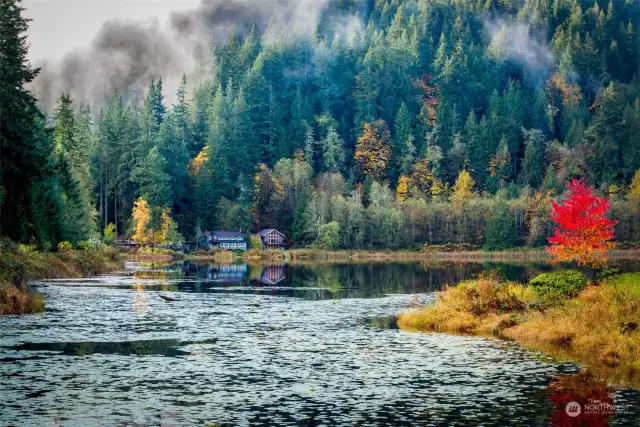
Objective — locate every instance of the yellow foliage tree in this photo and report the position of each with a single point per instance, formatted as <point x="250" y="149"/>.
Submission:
<point x="422" y="183"/>
<point x="169" y="229"/>
<point x="463" y="189"/>
<point x="373" y="150"/>
<point x="196" y="164"/>
<point x="142" y="231"/>
<point x="634" y="188"/>
<point x="402" y="191"/>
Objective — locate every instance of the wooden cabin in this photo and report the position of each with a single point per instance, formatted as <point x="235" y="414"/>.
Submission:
<point x="272" y="238"/>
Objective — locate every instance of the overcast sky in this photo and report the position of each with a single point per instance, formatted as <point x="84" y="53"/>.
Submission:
<point x="60" y="26"/>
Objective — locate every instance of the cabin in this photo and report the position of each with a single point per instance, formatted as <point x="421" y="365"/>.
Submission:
<point x="272" y="238"/>
<point x="229" y="240"/>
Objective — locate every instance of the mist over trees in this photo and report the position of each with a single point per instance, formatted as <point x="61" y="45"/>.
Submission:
<point x="391" y="124"/>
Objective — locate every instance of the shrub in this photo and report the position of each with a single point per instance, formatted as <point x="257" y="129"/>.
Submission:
<point x="65" y="247"/>
<point x="109" y="235"/>
<point x="28" y="249"/>
<point x="558" y="285"/>
<point x="256" y="242"/>
<point x="607" y="272"/>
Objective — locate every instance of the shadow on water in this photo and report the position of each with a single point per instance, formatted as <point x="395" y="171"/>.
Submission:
<point x="166" y="347"/>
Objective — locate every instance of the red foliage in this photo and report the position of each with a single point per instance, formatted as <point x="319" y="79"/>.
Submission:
<point x="584" y="233"/>
<point x="593" y="395"/>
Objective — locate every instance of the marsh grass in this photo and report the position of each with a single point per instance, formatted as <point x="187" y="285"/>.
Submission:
<point x="18" y="301"/>
<point x="20" y="264"/>
<point x="598" y="329"/>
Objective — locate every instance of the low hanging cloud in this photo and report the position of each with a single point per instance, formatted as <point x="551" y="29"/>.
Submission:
<point x="126" y="55"/>
<point x="518" y="42"/>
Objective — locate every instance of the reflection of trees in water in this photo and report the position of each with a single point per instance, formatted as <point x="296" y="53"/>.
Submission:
<point x="376" y="279"/>
<point x="345" y="280"/>
<point x="589" y="392"/>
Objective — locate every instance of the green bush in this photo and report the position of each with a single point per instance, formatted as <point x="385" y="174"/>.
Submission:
<point x="607" y="273"/>
<point x="558" y="285"/>
<point x="500" y="232"/>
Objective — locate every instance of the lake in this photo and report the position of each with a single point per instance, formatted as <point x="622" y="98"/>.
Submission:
<point x="273" y="345"/>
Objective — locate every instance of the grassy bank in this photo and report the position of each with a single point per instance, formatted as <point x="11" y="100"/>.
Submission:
<point x="21" y="264"/>
<point x="597" y="326"/>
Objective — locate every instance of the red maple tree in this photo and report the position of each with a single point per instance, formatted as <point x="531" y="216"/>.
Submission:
<point x="584" y="233"/>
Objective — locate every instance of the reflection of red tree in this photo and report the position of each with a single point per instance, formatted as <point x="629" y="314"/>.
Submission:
<point x="584" y="389"/>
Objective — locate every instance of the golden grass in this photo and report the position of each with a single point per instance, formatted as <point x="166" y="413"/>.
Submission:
<point x="21" y="264"/>
<point x="599" y="329"/>
<point x="18" y="301"/>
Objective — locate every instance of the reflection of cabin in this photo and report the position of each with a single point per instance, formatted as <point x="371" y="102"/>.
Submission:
<point x="229" y="273"/>
<point x="230" y="240"/>
<point x="272" y="274"/>
<point x="272" y="239"/>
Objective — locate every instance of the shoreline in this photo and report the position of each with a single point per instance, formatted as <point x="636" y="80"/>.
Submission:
<point x="357" y="255"/>
<point x="597" y="327"/>
<point x="20" y="266"/>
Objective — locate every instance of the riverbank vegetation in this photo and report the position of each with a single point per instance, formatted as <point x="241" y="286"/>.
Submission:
<point x="20" y="264"/>
<point x="596" y="325"/>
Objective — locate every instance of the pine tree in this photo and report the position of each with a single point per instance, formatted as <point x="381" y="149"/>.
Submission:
<point x="501" y="232"/>
<point x="153" y="180"/>
<point x="404" y="148"/>
<point x="182" y="113"/>
<point x="333" y="151"/>
<point x="78" y="213"/>
<point x="532" y="163"/>
<point x="30" y="206"/>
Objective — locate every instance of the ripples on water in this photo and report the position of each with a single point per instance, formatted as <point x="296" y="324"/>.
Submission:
<point x="304" y="348"/>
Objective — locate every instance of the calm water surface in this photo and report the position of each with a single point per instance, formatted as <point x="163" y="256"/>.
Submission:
<point x="270" y="345"/>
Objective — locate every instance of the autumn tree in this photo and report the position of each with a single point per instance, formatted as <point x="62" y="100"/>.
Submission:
<point x="463" y="189"/>
<point x="169" y="229"/>
<point x="422" y="182"/>
<point x="402" y="190"/>
<point x="373" y="150"/>
<point x="634" y="188"/>
<point x="142" y="217"/>
<point x="584" y="233"/>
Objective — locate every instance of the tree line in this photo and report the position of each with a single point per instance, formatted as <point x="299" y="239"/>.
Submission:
<point x="423" y="126"/>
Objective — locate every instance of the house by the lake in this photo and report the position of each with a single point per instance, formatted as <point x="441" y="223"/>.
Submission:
<point x="272" y="238"/>
<point x="229" y="240"/>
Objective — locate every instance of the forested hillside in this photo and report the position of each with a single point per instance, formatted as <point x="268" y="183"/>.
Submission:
<point x="397" y="123"/>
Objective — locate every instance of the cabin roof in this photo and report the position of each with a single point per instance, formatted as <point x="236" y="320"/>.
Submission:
<point x="263" y="233"/>
<point x="226" y="233"/>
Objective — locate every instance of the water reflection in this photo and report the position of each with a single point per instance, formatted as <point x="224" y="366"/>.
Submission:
<point x="271" y="345"/>
<point x="334" y="280"/>
<point x="582" y="399"/>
